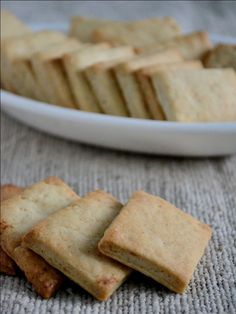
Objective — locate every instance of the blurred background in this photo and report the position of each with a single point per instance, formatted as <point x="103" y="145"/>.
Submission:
<point x="217" y="17"/>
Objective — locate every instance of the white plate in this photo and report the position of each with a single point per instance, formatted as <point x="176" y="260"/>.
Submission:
<point x="137" y="135"/>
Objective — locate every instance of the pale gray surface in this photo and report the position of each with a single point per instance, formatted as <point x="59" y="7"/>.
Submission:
<point x="205" y="188"/>
<point x="215" y="16"/>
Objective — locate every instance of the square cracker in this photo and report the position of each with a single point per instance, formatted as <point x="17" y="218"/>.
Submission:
<point x="7" y="265"/>
<point x="11" y="26"/>
<point x="157" y="239"/>
<point x="105" y="86"/>
<point x="222" y="56"/>
<point x="16" y="69"/>
<point x="144" y="77"/>
<point x="82" y="27"/>
<point x="204" y="95"/>
<point x="9" y="190"/>
<point x="78" y="62"/>
<point x="74" y="64"/>
<point x="190" y="46"/>
<point x="19" y="214"/>
<point x="68" y="240"/>
<point x="126" y="75"/>
<point x="136" y="33"/>
<point x="50" y="73"/>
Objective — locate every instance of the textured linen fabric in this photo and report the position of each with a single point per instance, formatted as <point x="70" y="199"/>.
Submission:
<point x="205" y="188"/>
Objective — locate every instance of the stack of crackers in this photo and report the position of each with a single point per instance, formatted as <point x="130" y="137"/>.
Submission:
<point x="50" y="233"/>
<point x="142" y="69"/>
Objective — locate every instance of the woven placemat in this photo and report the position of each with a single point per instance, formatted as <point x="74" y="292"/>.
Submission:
<point x="205" y="188"/>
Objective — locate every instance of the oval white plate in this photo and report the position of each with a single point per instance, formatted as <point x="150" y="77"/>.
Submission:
<point x="137" y="135"/>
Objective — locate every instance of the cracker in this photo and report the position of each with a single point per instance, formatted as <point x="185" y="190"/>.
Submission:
<point x="11" y="26"/>
<point x="222" y="56"/>
<point x="7" y="265"/>
<point x="106" y="88"/>
<point x="159" y="28"/>
<point x="82" y="27"/>
<point x="136" y="33"/>
<point x="126" y="75"/>
<point x="151" y="59"/>
<point x="9" y="190"/>
<point x="191" y="46"/>
<point x="68" y="240"/>
<point x="120" y="34"/>
<point x="19" y="214"/>
<point x="45" y="279"/>
<point x="204" y="95"/>
<point x="50" y="73"/>
<point x="144" y="77"/>
<point x="191" y="64"/>
<point x="77" y="63"/>
<point x="74" y="63"/>
<point x="16" y="70"/>
<point x="157" y="239"/>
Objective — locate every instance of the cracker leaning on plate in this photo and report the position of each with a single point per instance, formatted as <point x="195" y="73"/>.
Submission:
<point x="203" y="95"/>
<point x="129" y="85"/>
<point x="68" y="240"/>
<point x="50" y="73"/>
<point x="157" y="239"/>
<point x="144" y="78"/>
<point x="15" y="60"/>
<point x="11" y="26"/>
<point x="19" y="214"/>
<point x="7" y="265"/>
<point x="76" y="65"/>
<point x="105" y="86"/>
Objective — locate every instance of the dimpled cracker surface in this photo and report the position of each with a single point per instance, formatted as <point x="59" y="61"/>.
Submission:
<point x="158" y="239"/>
<point x="204" y="95"/>
<point x="19" y="214"/>
<point x="144" y="78"/>
<point x="68" y="240"/>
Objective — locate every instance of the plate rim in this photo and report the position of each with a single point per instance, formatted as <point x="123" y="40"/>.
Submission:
<point x="51" y="110"/>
